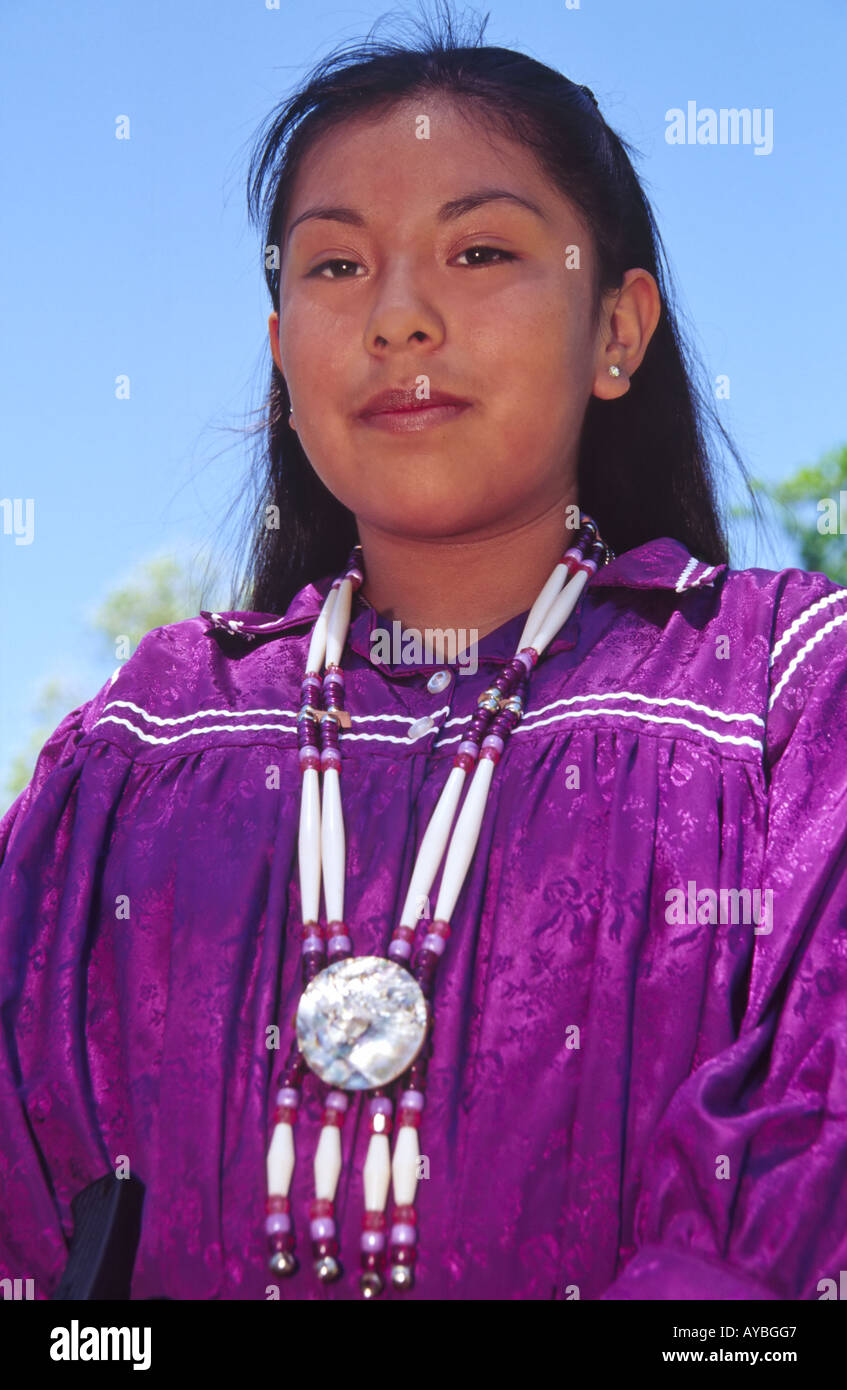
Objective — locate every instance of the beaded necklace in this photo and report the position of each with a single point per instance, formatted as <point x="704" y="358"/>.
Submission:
<point x="363" y="1022"/>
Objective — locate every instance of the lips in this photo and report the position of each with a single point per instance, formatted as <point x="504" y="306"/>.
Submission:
<point x="395" y="399"/>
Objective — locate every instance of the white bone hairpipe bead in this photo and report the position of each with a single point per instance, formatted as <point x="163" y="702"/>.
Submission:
<point x="281" y="1160"/>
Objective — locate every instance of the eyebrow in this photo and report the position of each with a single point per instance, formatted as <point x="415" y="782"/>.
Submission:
<point x="448" y="212"/>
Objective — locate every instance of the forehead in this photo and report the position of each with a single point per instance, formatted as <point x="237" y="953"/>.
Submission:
<point x="419" y="153"/>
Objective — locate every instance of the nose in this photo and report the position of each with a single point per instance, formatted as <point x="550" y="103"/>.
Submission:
<point x="402" y="312"/>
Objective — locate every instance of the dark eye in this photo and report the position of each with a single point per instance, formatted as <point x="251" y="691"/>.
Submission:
<point x="507" y="255"/>
<point x="318" y="268"/>
<point x="490" y="250"/>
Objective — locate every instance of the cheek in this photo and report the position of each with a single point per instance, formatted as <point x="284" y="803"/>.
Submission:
<point x="540" y="368"/>
<point x="304" y="331"/>
<point x="538" y="411"/>
<point x="534" y="337"/>
<point x="297" y="344"/>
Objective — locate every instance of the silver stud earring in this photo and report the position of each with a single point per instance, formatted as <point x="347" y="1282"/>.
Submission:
<point x="614" y="370"/>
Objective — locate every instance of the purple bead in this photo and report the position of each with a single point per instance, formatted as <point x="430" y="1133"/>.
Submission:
<point x="337" y="1100"/>
<point x="372" y="1241"/>
<point x="400" y="950"/>
<point x="435" y="943"/>
<point x="287" y="1095"/>
<point x="380" y="1105"/>
<point x="322" y="1228"/>
<point x="339" y="945"/>
<point x="403" y="1234"/>
<point x="412" y="1100"/>
<point x="466" y="746"/>
<point x="277" y="1223"/>
<point x="492" y="741"/>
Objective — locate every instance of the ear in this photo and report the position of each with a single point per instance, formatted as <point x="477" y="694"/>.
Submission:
<point x="632" y="314"/>
<point x="273" y="333"/>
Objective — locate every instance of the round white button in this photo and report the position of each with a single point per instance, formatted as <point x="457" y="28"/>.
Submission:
<point x="421" y="726"/>
<point x="439" y="681"/>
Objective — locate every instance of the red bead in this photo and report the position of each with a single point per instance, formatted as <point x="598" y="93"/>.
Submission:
<point x="277" y="1203"/>
<point x="404" y="1216"/>
<point x="285" y="1115"/>
<point x="312" y="929"/>
<point x="333" y="1117"/>
<point x="403" y="1254"/>
<point x="441" y="928"/>
<point x="410" y="1117"/>
<point x="404" y="934"/>
<point x="294" y="1070"/>
<point x="320" y="1206"/>
<point x="374" y="1221"/>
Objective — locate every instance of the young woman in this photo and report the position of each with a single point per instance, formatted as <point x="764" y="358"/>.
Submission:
<point x="515" y="973"/>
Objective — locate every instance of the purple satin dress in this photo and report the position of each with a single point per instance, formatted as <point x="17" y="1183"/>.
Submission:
<point x="638" y="1086"/>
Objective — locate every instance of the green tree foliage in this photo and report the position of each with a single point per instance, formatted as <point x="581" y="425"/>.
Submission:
<point x="161" y="591"/>
<point x="811" y="507"/>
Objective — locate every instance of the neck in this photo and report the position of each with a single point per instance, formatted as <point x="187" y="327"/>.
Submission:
<point x="472" y="584"/>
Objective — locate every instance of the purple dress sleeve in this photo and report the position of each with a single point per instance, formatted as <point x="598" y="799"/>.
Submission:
<point x="34" y="1222"/>
<point x="744" y="1191"/>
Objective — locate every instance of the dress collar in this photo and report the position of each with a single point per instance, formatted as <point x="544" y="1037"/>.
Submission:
<point x="659" y="564"/>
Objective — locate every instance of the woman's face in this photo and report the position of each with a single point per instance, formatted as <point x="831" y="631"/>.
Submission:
<point x="509" y="329"/>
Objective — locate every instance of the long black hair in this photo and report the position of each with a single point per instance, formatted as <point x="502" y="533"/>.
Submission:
<point x="643" y="466"/>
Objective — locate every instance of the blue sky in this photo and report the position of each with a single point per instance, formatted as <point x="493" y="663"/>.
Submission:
<point x="136" y="256"/>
